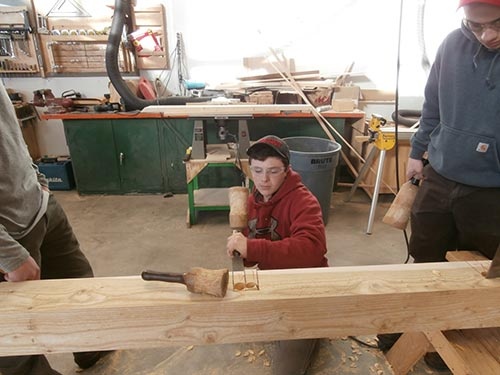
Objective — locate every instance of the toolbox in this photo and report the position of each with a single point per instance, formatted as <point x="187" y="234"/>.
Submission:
<point x="59" y="173"/>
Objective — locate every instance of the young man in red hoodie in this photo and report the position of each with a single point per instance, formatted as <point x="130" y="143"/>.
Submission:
<point x="285" y="230"/>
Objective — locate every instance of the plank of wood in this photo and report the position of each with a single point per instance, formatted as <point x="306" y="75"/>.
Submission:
<point x="51" y="316"/>
<point x="225" y="109"/>
<point x="478" y="348"/>
<point x="448" y="353"/>
<point x="406" y="352"/>
<point x="466" y="352"/>
<point x="297" y="75"/>
<point x="464" y="255"/>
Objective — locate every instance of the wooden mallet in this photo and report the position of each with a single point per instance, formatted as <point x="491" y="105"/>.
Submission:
<point x="197" y="280"/>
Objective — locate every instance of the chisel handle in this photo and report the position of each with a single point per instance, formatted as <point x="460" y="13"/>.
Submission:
<point x="163" y="276"/>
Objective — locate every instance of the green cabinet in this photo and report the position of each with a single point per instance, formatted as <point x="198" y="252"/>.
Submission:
<point x="115" y="156"/>
<point x="145" y="155"/>
<point x="175" y="137"/>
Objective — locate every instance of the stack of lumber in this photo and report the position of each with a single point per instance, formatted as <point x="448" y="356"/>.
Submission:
<point x="309" y="81"/>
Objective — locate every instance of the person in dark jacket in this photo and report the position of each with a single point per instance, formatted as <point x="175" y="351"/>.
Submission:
<point x="458" y="203"/>
<point x="285" y="230"/>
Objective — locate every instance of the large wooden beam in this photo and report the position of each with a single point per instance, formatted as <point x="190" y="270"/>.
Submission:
<point x="126" y="312"/>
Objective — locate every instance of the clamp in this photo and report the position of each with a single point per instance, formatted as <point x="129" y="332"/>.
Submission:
<point x="383" y="141"/>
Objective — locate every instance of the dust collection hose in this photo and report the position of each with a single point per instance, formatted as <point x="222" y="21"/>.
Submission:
<point x="407" y="117"/>
<point x="130" y="101"/>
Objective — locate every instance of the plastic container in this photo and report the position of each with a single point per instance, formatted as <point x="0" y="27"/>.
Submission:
<point x="315" y="160"/>
<point x="59" y="174"/>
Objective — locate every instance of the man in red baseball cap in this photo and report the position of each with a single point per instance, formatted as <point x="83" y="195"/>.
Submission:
<point x="458" y="204"/>
<point x="461" y="3"/>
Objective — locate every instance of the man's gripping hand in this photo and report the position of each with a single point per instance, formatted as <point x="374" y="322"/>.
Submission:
<point x="28" y="270"/>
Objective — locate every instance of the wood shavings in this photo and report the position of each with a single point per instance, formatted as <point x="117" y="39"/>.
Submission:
<point x="376" y="369"/>
<point x="249" y="353"/>
<point x="190" y="347"/>
<point x="254" y="356"/>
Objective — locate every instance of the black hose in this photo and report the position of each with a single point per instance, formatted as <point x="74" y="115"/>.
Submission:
<point x="407" y="117"/>
<point x="130" y="101"/>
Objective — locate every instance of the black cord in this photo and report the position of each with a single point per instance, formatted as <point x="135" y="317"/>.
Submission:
<point x="396" y="120"/>
<point x="364" y="343"/>
<point x="407" y="246"/>
<point x="396" y="102"/>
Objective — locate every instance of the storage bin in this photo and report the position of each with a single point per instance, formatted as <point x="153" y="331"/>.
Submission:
<point x="315" y="160"/>
<point x="59" y="174"/>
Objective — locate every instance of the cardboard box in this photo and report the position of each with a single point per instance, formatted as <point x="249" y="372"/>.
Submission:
<point x="345" y="98"/>
<point x="261" y="97"/>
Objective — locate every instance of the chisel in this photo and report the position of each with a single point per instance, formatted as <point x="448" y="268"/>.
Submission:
<point x="494" y="270"/>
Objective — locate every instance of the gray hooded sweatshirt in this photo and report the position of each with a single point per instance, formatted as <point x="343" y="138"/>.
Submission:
<point x="22" y="200"/>
<point x="460" y="124"/>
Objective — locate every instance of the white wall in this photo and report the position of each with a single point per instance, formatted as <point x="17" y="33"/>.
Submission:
<point x="318" y="34"/>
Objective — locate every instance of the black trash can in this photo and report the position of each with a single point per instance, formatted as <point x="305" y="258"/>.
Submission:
<point x="315" y="160"/>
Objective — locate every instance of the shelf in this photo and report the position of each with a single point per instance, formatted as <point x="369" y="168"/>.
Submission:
<point x="210" y="197"/>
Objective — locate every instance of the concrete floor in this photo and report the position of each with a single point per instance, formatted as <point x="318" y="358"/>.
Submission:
<point x="124" y="235"/>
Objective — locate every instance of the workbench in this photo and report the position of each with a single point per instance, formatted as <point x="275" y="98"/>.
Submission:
<point x="142" y="152"/>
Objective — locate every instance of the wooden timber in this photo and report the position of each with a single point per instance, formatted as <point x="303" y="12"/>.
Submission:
<point x="71" y="315"/>
<point x="464" y="255"/>
<point x="465" y="351"/>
